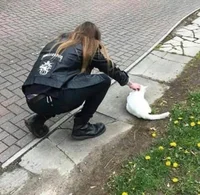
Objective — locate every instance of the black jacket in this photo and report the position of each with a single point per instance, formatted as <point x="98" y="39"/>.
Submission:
<point x="57" y="71"/>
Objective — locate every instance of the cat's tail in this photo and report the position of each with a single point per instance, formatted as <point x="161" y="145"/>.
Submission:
<point x="157" y="116"/>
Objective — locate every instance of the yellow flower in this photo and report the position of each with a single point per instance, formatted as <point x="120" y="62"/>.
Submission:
<point x="198" y="122"/>
<point x="147" y="157"/>
<point x="124" y="193"/>
<point x="161" y="148"/>
<point x="180" y="118"/>
<point x="168" y="163"/>
<point x="192" y="117"/>
<point x="175" y="180"/>
<point x="153" y="134"/>
<point x="192" y="124"/>
<point x="198" y="145"/>
<point x="175" y="164"/>
<point x="173" y="144"/>
<point x="176" y="122"/>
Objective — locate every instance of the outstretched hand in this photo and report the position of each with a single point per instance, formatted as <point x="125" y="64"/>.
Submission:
<point x="134" y="86"/>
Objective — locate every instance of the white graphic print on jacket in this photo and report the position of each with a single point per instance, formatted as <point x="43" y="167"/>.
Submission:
<point x="45" y="68"/>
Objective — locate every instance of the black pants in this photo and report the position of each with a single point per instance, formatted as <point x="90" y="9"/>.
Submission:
<point x="70" y="99"/>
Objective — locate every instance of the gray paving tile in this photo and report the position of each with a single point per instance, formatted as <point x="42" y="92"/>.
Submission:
<point x="46" y="156"/>
<point x="79" y="150"/>
<point x="10" y="181"/>
<point x="161" y="69"/>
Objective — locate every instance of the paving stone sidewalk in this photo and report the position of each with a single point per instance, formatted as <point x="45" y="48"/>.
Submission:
<point x="51" y="162"/>
<point x="129" y="29"/>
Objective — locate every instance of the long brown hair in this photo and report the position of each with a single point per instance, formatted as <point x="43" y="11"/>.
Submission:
<point x="90" y="37"/>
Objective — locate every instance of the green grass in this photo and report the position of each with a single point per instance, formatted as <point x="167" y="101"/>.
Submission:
<point x="158" y="46"/>
<point x="151" y="177"/>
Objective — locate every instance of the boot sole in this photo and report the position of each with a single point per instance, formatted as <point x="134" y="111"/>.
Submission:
<point x="88" y="137"/>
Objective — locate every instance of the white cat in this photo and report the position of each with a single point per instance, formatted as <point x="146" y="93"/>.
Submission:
<point x="138" y="106"/>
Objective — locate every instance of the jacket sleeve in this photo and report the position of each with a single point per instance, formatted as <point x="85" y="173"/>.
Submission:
<point x="110" y="69"/>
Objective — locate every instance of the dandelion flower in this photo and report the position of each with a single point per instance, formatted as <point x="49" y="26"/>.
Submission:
<point x="175" y="164"/>
<point x="175" y="180"/>
<point x="198" y="145"/>
<point x="161" y="148"/>
<point x="147" y="157"/>
<point x="173" y="144"/>
<point x="153" y="134"/>
<point x="192" y="124"/>
<point x="168" y="163"/>
<point x="124" y="193"/>
<point x="198" y="123"/>
<point x="175" y="122"/>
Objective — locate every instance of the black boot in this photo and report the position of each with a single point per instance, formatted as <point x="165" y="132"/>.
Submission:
<point x="84" y="130"/>
<point x="36" y="126"/>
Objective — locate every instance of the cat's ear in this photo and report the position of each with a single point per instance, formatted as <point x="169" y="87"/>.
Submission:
<point x="145" y="88"/>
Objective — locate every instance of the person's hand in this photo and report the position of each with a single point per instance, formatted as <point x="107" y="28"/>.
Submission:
<point x="134" y="86"/>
